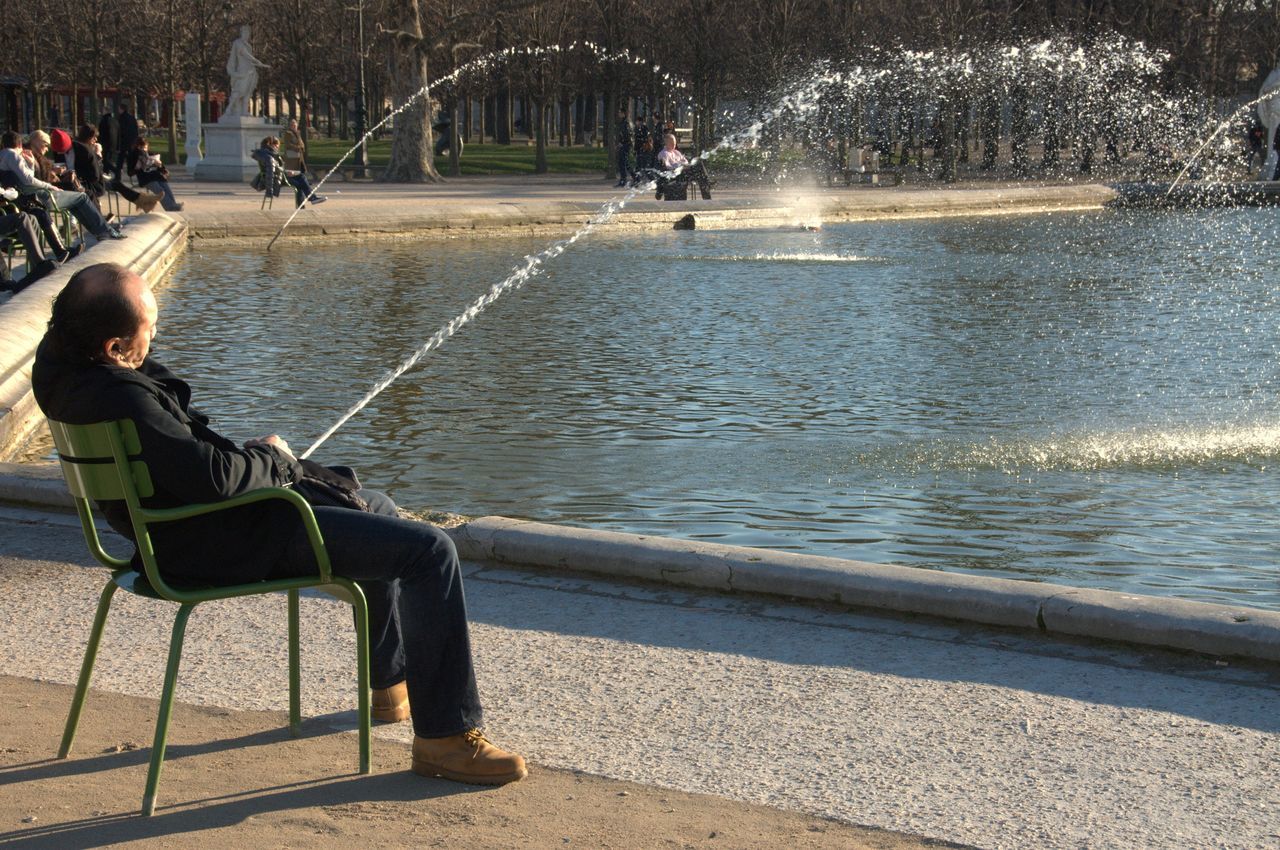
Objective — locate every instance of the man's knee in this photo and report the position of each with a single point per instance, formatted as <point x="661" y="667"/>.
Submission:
<point x="437" y="555"/>
<point x="379" y="502"/>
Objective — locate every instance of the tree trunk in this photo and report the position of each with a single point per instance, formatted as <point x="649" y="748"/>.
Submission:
<point x="990" y="131"/>
<point x="412" y="157"/>
<point x="502" y="117"/>
<point x="1052" y="136"/>
<point x="611" y="101"/>
<point x="1020" y="130"/>
<point x="580" y="121"/>
<point x="172" y="103"/>
<point x="455" y="139"/>
<point x="539" y="119"/>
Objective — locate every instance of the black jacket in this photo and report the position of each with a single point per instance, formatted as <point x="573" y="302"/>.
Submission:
<point x="128" y="130"/>
<point x="189" y="463"/>
<point x="109" y="134"/>
<point x="89" y="170"/>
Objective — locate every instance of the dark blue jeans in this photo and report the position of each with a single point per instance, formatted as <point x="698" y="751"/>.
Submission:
<point x="417" y="613"/>
<point x="301" y="188"/>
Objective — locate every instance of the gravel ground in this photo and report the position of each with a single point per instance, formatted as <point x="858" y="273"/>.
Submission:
<point x="988" y="738"/>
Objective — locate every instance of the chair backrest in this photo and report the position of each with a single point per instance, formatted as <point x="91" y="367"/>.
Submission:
<point x="93" y="455"/>
<point x="101" y="462"/>
<point x="88" y="455"/>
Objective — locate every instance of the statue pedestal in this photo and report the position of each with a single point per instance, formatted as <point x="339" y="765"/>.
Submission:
<point x="227" y="145"/>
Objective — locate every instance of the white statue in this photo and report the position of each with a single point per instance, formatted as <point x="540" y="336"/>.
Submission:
<point x="242" y="68"/>
<point x="1269" y="112"/>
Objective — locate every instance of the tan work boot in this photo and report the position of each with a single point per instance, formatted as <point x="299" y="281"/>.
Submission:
<point x="390" y="705"/>
<point x="468" y="757"/>
<point x="147" y="201"/>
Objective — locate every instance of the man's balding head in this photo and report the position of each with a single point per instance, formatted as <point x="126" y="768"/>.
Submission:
<point x="101" y="303"/>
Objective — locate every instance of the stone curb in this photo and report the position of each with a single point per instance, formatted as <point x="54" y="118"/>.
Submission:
<point x="540" y="218"/>
<point x="1052" y="609"/>
<point x="1219" y="630"/>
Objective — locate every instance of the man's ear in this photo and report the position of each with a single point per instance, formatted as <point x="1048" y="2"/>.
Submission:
<point x="111" y="350"/>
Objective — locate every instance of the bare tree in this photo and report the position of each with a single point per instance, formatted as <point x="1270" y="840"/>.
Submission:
<point x="412" y="157"/>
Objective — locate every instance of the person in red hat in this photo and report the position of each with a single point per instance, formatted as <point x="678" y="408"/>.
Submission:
<point x="59" y="141"/>
<point x="38" y="144"/>
<point x="20" y="169"/>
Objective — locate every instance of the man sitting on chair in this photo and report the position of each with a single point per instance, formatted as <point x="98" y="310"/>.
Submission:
<point x="94" y="365"/>
<point x="670" y="159"/>
<point x="15" y="224"/>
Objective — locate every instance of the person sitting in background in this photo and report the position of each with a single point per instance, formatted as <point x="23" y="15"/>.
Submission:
<point x="78" y="204"/>
<point x="151" y="174"/>
<point x="85" y="161"/>
<point x="642" y="140"/>
<point x="33" y="203"/>
<point x="40" y="143"/>
<point x="16" y="224"/>
<point x="276" y="175"/>
<point x="670" y="159"/>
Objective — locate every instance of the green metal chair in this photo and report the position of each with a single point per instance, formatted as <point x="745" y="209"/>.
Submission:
<point x="269" y="191"/>
<point x="100" y="462"/>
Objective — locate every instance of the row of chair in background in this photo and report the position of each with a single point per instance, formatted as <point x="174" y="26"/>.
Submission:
<point x="11" y="246"/>
<point x="114" y="209"/>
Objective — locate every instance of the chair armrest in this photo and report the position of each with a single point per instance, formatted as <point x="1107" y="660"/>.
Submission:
<point x="150" y="515"/>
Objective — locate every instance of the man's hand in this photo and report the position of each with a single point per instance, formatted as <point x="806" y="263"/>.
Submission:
<point x="273" y="440"/>
<point x="9" y="194"/>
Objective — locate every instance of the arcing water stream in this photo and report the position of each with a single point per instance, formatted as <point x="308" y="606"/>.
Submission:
<point x="1102" y="81"/>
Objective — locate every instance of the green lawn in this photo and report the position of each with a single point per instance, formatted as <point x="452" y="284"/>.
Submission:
<point x="476" y="158"/>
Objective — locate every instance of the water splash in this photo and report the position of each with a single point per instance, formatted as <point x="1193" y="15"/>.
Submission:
<point x="1191" y="160"/>
<point x="1110" y="74"/>
<point x="1154" y="449"/>
<point x="776" y="257"/>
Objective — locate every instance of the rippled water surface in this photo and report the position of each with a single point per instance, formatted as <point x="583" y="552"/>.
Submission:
<point x="1087" y="399"/>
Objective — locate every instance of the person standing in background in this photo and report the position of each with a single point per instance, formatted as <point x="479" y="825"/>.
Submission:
<point x="109" y="137"/>
<point x="623" y="135"/>
<point x="128" y="135"/>
<point x="294" y="148"/>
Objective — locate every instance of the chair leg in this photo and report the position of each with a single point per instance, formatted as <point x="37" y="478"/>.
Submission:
<point x="361" y="609"/>
<point x="166" y="708"/>
<point x="86" y="669"/>
<point x="295" y="676"/>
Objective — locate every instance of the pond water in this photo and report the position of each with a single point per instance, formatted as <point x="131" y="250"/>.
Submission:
<point x="1089" y="399"/>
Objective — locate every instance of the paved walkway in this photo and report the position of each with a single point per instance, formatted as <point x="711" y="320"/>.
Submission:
<point x="959" y="733"/>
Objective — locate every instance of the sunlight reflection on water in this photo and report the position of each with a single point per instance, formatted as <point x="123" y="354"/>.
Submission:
<point x="1081" y="398"/>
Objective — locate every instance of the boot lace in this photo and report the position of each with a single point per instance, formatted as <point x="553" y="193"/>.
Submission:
<point x="474" y="738"/>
